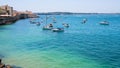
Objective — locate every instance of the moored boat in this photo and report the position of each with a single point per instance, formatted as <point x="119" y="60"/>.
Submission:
<point x="65" y="25"/>
<point x="84" y="21"/>
<point x="104" y="23"/>
<point x="58" y="29"/>
<point x="47" y="28"/>
<point x="38" y="23"/>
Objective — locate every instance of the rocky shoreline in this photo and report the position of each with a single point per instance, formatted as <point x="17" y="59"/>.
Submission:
<point x="2" y="65"/>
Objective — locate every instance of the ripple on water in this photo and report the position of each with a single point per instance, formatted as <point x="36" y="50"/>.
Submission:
<point x="51" y="59"/>
<point x="87" y="45"/>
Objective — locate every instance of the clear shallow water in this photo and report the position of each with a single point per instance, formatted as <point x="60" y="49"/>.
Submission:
<point x="87" y="45"/>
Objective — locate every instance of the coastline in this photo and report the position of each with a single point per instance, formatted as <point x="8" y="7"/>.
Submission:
<point x="68" y="13"/>
<point x="8" y="15"/>
<point x="28" y="47"/>
<point x="5" y="20"/>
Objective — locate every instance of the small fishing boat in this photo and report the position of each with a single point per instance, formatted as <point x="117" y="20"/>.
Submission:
<point x="104" y="23"/>
<point x="65" y="25"/>
<point x="47" y="28"/>
<point x="58" y="30"/>
<point x="32" y="21"/>
<point x="38" y="23"/>
<point x="84" y="21"/>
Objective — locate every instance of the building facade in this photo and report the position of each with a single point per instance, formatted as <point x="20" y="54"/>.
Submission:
<point x="7" y="10"/>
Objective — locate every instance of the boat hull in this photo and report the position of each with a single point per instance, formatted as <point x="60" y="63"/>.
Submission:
<point x="58" y="30"/>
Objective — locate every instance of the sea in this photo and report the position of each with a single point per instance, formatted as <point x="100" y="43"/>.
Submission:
<point x="81" y="45"/>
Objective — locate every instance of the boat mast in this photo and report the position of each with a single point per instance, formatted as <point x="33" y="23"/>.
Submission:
<point x="46" y="19"/>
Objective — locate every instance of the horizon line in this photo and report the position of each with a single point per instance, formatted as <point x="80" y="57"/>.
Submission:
<point x="80" y="12"/>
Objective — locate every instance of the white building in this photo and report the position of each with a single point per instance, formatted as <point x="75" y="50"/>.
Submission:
<point x="7" y="10"/>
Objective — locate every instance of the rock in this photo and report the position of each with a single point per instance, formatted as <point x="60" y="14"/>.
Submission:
<point x="0" y="61"/>
<point x="2" y="65"/>
<point x="8" y="66"/>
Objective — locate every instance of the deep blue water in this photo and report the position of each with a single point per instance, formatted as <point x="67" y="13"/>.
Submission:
<point x="88" y="45"/>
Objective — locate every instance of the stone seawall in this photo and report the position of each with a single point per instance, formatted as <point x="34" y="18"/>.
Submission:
<point x="7" y="20"/>
<point x="12" y="19"/>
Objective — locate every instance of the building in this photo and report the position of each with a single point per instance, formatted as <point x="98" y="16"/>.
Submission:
<point x="6" y="10"/>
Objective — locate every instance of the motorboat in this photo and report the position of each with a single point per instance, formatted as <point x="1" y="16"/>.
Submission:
<point x="65" y="25"/>
<point x="84" y="21"/>
<point x="58" y="29"/>
<point x="32" y="21"/>
<point x="104" y="23"/>
<point x="47" y="28"/>
<point x="38" y="23"/>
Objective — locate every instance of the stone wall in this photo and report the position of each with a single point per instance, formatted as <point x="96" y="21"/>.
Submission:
<point x="12" y="19"/>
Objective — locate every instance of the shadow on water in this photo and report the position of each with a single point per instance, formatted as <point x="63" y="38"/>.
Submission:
<point x="1" y="56"/>
<point x="4" y="27"/>
<point x="16" y="66"/>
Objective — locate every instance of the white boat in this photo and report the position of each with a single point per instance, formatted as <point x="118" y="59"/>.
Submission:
<point x="65" y="25"/>
<point x="84" y="21"/>
<point x="38" y="23"/>
<point x="104" y="23"/>
<point x="58" y="30"/>
<point x="47" y="27"/>
<point x="32" y="21"/>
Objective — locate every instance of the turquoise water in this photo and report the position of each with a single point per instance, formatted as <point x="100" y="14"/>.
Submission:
<point x="88" y="45"/>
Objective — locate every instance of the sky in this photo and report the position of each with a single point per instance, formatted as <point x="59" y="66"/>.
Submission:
<point x="79" y="6"/>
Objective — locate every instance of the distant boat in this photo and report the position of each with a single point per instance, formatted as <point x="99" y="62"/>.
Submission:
<point x="84" y="21"/>
<point x="32" y="22"/>
<point x="58" y="29"/>
<point x="47" y="28"/>
<point x="104" y="23"/>
<point x="38" y="23"/>
<point x="65" y="25"/>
